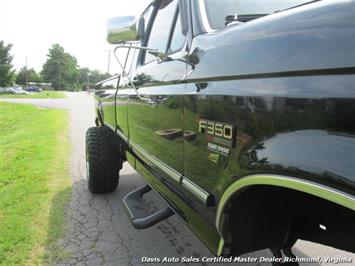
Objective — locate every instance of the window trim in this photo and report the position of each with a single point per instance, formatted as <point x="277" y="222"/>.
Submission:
<point x="149" y="30"/>
<point x="172" y="31"/>
<point x="204" y="17"/>
<point x="142" y="54"/>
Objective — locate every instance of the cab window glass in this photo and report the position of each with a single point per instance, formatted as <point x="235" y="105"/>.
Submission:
<point x="160" y="31"/>
<point x="178" y="38"/>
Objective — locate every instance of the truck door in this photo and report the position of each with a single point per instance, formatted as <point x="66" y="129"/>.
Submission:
<point x="122" y="95"/>
<point x="155" y="111"/>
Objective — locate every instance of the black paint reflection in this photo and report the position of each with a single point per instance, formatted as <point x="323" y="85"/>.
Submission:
<point x="328" y="154"/>
<point x="311" y="138"/>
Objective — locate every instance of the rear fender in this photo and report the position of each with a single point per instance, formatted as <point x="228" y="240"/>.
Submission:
<point x="309" y="187"/>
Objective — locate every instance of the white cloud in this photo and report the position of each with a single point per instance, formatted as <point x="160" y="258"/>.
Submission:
<point x="78" y="25"/>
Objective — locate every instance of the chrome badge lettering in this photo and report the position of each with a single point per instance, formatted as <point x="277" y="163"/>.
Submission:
<point x="217" y="129"/>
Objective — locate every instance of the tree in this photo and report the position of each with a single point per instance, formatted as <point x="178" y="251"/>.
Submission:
<point x="88" y="78"/>
<point x="6" y="72"/>
<point x="97" y="76"/>
<point x="61" y="69"/>
<point x="32" y="76"/>
<point x="84" y="80"/>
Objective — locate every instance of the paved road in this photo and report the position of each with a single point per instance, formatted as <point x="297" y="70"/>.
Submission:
<point x="97" y="228"/>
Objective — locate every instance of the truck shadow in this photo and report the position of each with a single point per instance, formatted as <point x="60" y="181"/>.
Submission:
<point x="95" y="230"/>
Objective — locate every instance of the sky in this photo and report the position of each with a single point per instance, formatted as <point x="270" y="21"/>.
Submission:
<point x="32" y="26"/>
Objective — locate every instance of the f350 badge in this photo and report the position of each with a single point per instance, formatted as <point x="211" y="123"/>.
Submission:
<point x="218" y="133"/>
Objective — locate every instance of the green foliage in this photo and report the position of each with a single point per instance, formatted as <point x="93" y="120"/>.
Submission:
<point x="32" y="76"/>
<point x="34" y="182"/>
<point x="117" y="38"/>
<point x="6" y="72"/>
<point x="61" y="69"/>
<point x="88" y="78"/>
<point x="146" y="124"/>
<point x="174" y="102"/>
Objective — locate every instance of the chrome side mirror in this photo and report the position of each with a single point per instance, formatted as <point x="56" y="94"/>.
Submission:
<point x="125" y="29"/>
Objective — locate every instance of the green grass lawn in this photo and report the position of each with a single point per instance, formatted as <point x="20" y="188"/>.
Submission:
<point x="34" y="182"/>
<point x="37" y="95"/>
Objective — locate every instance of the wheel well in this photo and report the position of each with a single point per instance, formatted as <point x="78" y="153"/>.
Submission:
<point x="266" y="216"/>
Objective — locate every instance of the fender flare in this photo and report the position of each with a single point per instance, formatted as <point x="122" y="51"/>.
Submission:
<point x="309" y="187"/>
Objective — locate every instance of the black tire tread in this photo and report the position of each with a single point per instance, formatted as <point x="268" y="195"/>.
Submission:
<point x="104" y="160"/>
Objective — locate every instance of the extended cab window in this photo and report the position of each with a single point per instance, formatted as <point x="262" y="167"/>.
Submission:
<point x="159" y="35"/>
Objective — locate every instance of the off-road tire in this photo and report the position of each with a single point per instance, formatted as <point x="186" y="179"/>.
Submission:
<point x="103" y="160"/>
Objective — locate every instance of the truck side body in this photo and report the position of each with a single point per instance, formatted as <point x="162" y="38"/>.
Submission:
<point x="248" y="133"/>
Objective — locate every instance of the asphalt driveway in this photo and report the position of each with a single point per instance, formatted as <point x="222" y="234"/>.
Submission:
<point x="97" y="229"/>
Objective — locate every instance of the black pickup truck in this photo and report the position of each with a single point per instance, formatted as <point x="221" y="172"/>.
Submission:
<point x="240" y="115"/>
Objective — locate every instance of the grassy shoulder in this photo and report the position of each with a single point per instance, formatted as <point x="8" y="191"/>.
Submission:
<point x="37" y="95"/>
<point x="34" y="182"/>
